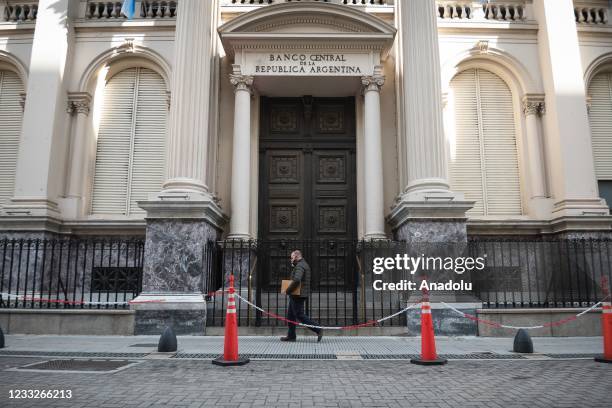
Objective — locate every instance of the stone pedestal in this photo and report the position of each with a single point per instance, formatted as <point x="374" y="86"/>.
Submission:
<point x="185" y="313"/>
<point x="174" y="271"/>
<point x="446" y="322"/>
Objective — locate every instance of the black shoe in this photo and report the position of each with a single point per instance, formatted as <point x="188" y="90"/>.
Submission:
<point x="319" y="336"/>
<point x="287" y="338"/>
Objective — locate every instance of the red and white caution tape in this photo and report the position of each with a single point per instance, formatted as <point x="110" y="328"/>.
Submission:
<point x="505" y="326"/>
<point x="355" y="326"/>
<point x="23" y="298"/>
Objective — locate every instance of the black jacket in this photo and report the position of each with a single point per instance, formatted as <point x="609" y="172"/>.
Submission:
<point x="300" y="274"/>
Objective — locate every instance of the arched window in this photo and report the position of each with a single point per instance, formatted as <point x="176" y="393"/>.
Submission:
<point x="600" y="115"/>
<point x="11" y="115"/>
<point x="484" y="162"/>
<point x="131" y="146"/>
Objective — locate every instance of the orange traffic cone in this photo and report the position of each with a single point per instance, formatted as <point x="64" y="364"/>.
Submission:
<point x="606" y="331"/>
<point x="230" y="349"/>
<point x="428" y="341"/>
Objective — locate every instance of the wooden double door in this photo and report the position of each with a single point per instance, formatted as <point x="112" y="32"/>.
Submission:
<point x="307" y="184"/>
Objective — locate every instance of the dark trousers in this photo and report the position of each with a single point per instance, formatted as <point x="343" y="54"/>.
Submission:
<point x="295" y="312"/>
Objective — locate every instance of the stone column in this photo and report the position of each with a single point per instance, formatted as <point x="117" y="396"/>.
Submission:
<point x="426" y="196"/>
<point x="39" y="165"/>
<point x="568" y="136"/>
<point x="78" y="107"/>
<point x="533" y="108"/>
<point x="241" y="156"/>
<point x="373" y="165"/>
<point x="427" y="215"/>
<point x="190" y="104"/>
<point x="184" y="216"/>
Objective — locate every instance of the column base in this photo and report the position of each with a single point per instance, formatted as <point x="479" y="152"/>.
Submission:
<point x="446" y="321"/>
<point x="185" y="313"/>
<point x="375" y="236"/>
<point x="238" y="237"/>
<point x="175" y="273"/>
<point x="71" y="207"/>
<point x="540" y="208"/>
<point x="32" y="207"/>
<point x="428" y="205"/>
<point x="577" y="208"/>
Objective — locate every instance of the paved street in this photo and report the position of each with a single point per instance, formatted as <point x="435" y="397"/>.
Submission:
<point x="195" y="383"/>
<point x="338" y="372"/>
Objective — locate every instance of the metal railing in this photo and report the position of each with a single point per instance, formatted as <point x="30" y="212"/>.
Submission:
<point x="517" y="274"/>
<point x="341" y="283"/>
<point x="72" y="273"/>
<point x="542" y="273"/>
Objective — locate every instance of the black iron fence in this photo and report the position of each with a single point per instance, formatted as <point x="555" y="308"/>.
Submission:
<point x="542" y="273"/>
<point x="345" y="274"/>
<point x="72" y="273"/>
<point x="77" y="273"/>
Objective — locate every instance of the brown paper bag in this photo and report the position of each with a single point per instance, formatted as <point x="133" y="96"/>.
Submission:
<point x="285" y="284"/>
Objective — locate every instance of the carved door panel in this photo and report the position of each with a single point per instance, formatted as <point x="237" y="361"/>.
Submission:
<point x="307" y="185"/>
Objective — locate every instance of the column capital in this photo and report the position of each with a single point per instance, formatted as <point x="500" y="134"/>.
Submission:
<point x="533" y="104"/>
<point x="78" y="102"/>
<point x="241" y="82"/>
<point x="444" y="100"/>
<point x="373" y="82"/>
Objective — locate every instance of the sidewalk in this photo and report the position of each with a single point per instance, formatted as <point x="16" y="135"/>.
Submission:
<point x="331" y="347"/>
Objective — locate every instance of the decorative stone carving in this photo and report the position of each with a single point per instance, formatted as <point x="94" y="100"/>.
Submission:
<point x="534" y="105"/>
<point x="373" y="82"/>
<point x="126" y="47"/>
<point x="444" y="100"/>
<point x="483" y="46"/>
<point x="22" y="100"/>
<point x="589" y="103"/>
<point x="241" y="82"/>
<point x="78" y="103"/>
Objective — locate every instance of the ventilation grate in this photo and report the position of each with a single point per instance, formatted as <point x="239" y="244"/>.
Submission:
<point x="261" y="356"/>
<point x="445" y="356"/>
<point x="574" y="355"/>
<point x="78" y="365"/>
<point x="70" y="354"/>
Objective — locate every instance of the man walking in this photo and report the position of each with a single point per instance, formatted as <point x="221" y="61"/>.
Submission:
<point x="300" y="275"/>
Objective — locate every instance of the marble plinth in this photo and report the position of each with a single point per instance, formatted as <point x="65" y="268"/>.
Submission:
<point x="174" y="275"/>
<point x="185" y="313"/>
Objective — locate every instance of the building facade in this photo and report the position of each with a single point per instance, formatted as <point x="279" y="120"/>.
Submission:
<point x="415" y="120"/>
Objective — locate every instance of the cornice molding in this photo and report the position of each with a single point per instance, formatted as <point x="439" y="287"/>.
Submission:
<point x="350" y="29"/>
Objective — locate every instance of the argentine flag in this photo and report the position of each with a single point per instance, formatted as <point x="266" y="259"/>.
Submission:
<point x="129" y="8"/>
